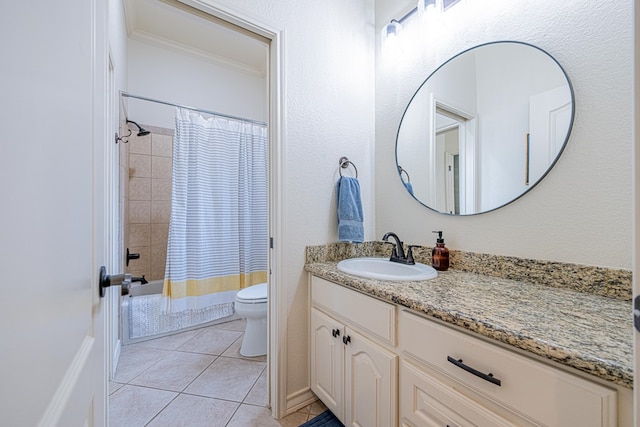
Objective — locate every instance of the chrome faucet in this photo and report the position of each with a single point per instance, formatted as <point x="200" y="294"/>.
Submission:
<point x="397" y="253"/>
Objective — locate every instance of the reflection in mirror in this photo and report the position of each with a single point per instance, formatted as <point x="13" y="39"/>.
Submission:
<point x="484" y="128"/>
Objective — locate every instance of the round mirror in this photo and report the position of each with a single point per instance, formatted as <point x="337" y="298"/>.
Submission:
<point x="484" y="128"/>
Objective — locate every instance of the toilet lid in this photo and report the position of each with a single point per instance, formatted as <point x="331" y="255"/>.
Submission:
<point x="255" y="293"/>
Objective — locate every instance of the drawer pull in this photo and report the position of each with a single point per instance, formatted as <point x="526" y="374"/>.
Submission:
<point x="487" y="377"/>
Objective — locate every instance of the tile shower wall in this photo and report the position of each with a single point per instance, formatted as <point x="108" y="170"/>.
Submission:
<point x="149" y="201"/>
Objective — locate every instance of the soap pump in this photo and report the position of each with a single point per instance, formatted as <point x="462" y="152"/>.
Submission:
<point x="440" y="254"/>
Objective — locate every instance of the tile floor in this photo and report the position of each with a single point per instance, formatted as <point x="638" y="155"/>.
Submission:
<point x="195" y="378"/>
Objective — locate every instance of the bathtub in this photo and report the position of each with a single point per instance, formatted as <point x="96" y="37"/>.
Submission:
<point x="142" y="318"/>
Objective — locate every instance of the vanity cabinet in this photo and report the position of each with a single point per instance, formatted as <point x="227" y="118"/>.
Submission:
<point x="374" y="363"/>
<point x="353" y="375"/>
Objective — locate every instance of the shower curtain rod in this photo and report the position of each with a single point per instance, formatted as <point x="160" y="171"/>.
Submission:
<point x="200" y="110"/>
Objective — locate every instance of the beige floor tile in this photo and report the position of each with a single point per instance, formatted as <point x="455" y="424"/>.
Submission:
<point x="167" y="364"/>
<point x="211" y="341"/>
<point x="113" y="387"/>
<point x="175" y="371"/>
<point x="304" y="410"/>
<point x="227" y="378"/>
<point x="134" y="360"/>
<point x="133" y="406"/>
<point x="317" y="408"/>
<point x="193" y="411"/>
<point x="234" y="325"/>
<point x="234" y="351"/>
<point x="258" y="394"/>
<point x="293" y="420"/>
<point x="170" y="342"/>
<point x="253" y="416"/>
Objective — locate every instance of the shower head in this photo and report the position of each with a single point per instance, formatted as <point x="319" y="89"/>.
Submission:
<point x="141" y="131"/>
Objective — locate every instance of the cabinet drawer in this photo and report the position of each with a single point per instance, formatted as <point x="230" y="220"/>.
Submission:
<point x="366" y="313"/>
<point x="426" y="402"/>
<point x="540" y="392"/>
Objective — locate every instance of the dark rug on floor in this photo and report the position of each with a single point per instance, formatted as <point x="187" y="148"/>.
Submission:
<point x="325" y="419"/>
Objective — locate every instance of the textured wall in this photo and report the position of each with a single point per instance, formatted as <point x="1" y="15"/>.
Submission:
<point x="581" y="212"/>
<point x="328" y="78"/>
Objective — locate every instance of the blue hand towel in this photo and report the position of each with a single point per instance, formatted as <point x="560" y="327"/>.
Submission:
<point x="350" y="226"/>
<point x="409" y="187"/>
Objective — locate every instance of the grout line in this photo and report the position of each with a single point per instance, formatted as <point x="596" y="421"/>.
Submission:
<point x="253" y="385"/>
<point x="198" y="376"/>
<point x="233" y="415"/>
<point x="160" y="411"/>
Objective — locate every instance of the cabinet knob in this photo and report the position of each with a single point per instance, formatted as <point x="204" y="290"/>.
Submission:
<point x="346" y="339"/>
<point x="335" y="332"/>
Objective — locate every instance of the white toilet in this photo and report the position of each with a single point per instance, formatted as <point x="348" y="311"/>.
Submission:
<point x="251" y="303"/>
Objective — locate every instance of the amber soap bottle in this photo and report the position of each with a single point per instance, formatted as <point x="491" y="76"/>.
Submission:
<point x="440" y="254"/>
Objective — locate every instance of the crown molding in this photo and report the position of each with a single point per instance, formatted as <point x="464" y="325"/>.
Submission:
<point x="154" y="39"/>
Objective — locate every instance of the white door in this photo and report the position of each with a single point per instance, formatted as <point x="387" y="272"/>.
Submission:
<point x="549" y="119"/>
<point x="52" y="87"/>
<point x="449" y="182"/>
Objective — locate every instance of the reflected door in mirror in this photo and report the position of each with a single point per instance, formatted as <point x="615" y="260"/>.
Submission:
<point x="512" y="108"/>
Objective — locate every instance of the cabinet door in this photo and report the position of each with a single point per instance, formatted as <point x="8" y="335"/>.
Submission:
<point x="371" y="374"/>
<point x="426" y="402"/>
<point x="327" y="361"/>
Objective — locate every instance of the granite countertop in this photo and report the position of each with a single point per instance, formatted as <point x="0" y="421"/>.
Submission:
<point x="588" y="332"/>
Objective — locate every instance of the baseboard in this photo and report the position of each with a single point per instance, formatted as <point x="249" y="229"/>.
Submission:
<point x="299" y="399"/>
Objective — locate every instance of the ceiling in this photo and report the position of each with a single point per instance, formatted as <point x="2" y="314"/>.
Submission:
<point x="179" y="27"/>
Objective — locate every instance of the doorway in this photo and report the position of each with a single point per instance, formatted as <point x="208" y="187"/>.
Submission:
<point x="454" y="159"/>
<point x="208" y="17"/>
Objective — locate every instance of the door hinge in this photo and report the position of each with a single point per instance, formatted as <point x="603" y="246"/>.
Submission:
<point x="270" y="242"/>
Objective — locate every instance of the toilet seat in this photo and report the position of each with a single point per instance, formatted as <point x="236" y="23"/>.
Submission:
<point x="255" y="294"/>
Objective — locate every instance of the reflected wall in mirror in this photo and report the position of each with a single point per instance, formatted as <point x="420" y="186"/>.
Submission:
<point x="484" y="128"/>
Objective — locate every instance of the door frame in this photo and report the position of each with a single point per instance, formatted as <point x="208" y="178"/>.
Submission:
<point x="113" y="259"/>
<point x="277" y="293"/>
<point x="467" y="125"/>
<point x="636" y="200"/>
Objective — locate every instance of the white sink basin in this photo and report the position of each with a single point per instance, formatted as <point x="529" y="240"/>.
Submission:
<point x="383" y="269"/>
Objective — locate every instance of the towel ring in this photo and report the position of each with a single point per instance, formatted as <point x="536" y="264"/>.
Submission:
<point x="344" y="163"/>
<point x="400" y="171"/>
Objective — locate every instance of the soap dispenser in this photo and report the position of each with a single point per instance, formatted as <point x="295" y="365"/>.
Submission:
<point x="440" y="254"/>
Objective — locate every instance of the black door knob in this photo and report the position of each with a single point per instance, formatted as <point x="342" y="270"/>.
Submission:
<point x="105" y="280"/>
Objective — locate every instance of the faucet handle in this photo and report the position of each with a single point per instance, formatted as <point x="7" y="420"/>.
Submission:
<point x="410" y="259"/>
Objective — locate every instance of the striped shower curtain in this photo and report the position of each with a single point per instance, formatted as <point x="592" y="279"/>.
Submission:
<point x="218" y="229"/>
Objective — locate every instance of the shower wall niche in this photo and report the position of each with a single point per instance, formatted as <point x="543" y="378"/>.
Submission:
<point x="148" y="201"/>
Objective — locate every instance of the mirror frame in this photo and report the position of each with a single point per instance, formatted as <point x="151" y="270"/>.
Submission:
<point x="551" y="165"/>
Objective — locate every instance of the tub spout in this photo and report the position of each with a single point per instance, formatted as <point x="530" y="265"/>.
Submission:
<point x="142" y="280"/>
